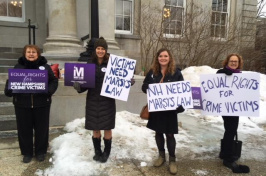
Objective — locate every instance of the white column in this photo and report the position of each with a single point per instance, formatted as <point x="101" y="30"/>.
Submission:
<point x="107" y="25"/>
<point x="62" y="26"/>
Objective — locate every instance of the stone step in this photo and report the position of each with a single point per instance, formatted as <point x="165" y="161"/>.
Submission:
<point x="2" y="84"/>
<point x="9" y="62"/>
<point x="10" y="55"/>
<point x="7" y="108"/>
<point x="3" y="77"/>
<point x="8" y="122"/>
<point x="4" y="68"/>
<point x="4" y="98"/>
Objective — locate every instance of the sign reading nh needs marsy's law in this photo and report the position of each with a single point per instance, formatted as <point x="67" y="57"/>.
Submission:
<point x="82" y="73"/>
<point x="168" y="96"/>
<point x="235" y="95"/>
<point x="28" y="80"/>
<point x="117" y="79"/>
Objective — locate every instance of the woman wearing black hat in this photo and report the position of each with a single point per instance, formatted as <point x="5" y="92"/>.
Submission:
<point x="100" y="110"/>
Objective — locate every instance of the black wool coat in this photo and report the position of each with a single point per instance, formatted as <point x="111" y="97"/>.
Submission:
<point x="34" y="100"/>
<point x="162" y="121"/>
<point x="100" y="110"/>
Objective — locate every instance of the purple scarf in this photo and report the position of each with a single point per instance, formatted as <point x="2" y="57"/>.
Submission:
<point x="233" y="70"/>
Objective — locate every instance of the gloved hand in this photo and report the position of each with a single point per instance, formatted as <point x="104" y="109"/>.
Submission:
<point x="145" y="86"/>
<point x="132" y="81"/>
<point x="180" y="109"/>
<point x="228" y="72"/>
<point x="76" y="86"/>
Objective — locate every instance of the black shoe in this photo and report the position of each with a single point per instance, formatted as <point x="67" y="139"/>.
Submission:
<point x="40" y="157"/>
<point x="235" y="167"/>
<point x="27" y="159"/>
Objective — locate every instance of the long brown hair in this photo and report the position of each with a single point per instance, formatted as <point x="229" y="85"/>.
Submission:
<point x="240" y="60"/>
<point x="156" y="68"/>
<point x="31" y="47"/>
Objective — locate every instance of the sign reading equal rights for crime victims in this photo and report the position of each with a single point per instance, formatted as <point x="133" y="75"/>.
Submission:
<point x="117" y="79"/>
<point x="235" y="95"/>
<point x="28" y="80"/>
<point x="168" y="96"/>
<point x="82" y="73"/>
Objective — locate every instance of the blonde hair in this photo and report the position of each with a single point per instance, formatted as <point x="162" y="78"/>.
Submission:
<point x="156" y="68"/>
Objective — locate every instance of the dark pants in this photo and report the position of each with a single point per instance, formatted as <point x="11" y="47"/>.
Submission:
<point x="230" y="126"/>
<point x="29" y="119"/>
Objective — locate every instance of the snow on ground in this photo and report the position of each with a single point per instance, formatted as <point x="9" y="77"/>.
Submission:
<point x="199" y="138"/>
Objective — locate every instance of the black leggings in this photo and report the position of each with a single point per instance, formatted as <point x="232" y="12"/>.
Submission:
<point x="230" y="126"/>
<point x="170" y="142"/>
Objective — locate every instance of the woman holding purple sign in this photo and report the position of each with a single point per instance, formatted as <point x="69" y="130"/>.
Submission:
<point x="100" y="110"/>
<point x="164" y="69"/>
<point x="232" y="64"/>
<point x="33" y="109"/>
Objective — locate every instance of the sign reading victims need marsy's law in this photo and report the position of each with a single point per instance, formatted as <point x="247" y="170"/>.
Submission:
<point x="82" y="73"/>
<point x="117" y="79"/>
<point x="28" y="80"/>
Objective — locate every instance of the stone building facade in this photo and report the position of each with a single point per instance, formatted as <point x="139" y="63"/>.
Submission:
<point x="60" y="25"/>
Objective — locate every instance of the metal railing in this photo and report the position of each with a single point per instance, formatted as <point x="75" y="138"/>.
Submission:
<point x="33" y="27"/>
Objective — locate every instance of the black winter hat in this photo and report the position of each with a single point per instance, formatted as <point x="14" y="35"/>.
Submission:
<point x="101" y="42"/>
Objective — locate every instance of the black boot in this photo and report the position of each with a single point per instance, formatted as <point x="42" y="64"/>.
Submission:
<point x="97" y="148"/>
<point x="107" y="150"/>
<point x="236" y="168"/>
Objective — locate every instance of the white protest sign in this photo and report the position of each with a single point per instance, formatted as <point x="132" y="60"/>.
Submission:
<point x="235" y="95"/>
<point x="168" y="96"/>
<point x="117" y="79"/>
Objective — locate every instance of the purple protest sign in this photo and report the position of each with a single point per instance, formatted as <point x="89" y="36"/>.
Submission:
<point x="196" y="95"/>
<point x="82" y="73"/>
<point x="28" y="80"/>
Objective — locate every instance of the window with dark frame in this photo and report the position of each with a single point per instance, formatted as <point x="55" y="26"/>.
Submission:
<point x="219" y="19"/>
<point x="124" y="16"/>
<point x="173" y="16"/>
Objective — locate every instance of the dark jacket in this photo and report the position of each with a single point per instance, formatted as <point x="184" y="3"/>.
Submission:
<point x="100" y="110"/>
<point x="162" y="121"/>
<point x="225" y="71"/>
<point x="33" y="100"/>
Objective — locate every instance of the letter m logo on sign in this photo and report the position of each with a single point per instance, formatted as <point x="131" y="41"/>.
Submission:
<point x="78" y="73"/>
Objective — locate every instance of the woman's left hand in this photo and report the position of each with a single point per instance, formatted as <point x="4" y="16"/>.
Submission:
<point x="180" y="109"/>
<point x="132" y="81"/>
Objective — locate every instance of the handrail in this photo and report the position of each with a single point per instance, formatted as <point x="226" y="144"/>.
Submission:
<point x="33" y="27"/>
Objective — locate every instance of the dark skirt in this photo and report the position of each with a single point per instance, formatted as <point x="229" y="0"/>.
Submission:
<point x="163" y="122"/>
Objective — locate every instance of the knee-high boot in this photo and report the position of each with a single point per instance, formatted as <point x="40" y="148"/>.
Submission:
<point x="107" y="150"/>
<point x="97" y="148"/>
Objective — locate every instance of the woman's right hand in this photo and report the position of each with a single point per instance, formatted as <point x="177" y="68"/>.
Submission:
<point x="76" y="86"/>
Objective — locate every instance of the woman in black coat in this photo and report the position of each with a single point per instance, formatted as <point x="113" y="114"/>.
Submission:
<point x="33" y="109"/>
<point x="232" y="64"/>
<point x="100" y="110"/>
<point x="164" y="122"/>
